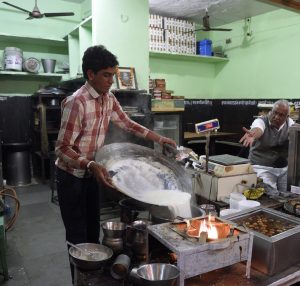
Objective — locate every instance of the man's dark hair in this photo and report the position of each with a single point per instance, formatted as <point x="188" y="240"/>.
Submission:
<point x="97" y="58"/>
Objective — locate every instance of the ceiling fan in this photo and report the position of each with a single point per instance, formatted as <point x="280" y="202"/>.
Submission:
<point x="36" y="14"/>
<point x="206" y="26"/>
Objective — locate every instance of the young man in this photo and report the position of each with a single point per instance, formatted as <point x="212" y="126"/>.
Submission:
<point x="268" y="141"/>
<point x="84" y="123"/>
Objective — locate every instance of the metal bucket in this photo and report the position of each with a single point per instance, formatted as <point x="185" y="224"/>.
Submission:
<point x="48" y="65"/>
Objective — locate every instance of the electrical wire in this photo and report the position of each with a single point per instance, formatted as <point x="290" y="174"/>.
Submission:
<point x="11" y="193"/>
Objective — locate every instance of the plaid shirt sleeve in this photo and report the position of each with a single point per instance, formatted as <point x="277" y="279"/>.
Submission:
<point x="72" y="112"/>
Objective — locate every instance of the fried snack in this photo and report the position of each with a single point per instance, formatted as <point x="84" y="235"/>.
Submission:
<point x="254" y="194"/>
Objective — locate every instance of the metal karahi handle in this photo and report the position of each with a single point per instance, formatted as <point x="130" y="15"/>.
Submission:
<point x="169" y="151"/>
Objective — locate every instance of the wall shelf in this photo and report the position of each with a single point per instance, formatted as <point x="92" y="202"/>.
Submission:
<point x="176" y="56"/>
<point x="32" y="40"/>
<point x="27" y="74"/>
<point x="79" y="39"/>
<point x="87" y="23"/>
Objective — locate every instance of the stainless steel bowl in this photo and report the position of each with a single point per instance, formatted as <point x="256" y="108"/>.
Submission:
<point x="101" y="255"/>
<point x="158" y="274"/>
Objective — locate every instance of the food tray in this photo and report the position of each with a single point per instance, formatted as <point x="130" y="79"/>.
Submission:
<point x="272" y="252"/>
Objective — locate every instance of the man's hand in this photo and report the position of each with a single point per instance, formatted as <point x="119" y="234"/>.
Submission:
<point x="101" y="174"/>
<point x="250" y="136"/>
<point x="165" y="140"/>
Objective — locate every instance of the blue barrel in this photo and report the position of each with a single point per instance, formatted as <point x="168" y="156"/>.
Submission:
<point x="204" y="47"/>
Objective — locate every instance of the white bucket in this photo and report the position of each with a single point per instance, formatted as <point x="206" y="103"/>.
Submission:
<point x="234" y="200"/>
<point x="12" y="59"/>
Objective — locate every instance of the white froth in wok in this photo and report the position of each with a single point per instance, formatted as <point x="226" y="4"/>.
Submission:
<point x="150" y="182"/>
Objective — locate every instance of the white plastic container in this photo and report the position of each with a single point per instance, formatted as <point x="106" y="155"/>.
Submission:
<point x="247" y="204"/>
<point x="12" y="59"/>
<point x="234" y="200"/>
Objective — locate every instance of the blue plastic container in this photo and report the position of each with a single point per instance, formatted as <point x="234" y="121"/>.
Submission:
<point x="204" y="47"/>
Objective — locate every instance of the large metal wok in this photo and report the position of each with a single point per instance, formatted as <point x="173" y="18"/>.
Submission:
<point x="119" y="151"/>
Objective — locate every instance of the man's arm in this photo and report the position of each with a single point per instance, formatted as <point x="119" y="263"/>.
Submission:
<point x="120" y="118"/>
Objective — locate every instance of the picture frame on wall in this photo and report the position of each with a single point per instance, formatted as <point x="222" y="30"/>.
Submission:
<point x="126" y="78"/>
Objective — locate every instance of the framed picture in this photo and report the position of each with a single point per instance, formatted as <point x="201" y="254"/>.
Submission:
<point x="125" y="78"/>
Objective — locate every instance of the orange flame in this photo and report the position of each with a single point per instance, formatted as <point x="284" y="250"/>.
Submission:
<point x="211" y="230"/>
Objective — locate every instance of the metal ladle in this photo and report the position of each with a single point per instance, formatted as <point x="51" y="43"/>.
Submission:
<point x="80" y="249"/>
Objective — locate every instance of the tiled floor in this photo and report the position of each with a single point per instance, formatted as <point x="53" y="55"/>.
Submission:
<point x="36" y="250"/>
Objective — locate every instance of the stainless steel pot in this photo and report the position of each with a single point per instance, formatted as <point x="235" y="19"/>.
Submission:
<point x="102" y="255"/>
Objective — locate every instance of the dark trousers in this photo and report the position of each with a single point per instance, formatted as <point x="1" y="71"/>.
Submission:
<point x="79" y="207"/>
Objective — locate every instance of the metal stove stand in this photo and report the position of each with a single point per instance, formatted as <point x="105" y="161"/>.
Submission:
<point x="194" y="258"/>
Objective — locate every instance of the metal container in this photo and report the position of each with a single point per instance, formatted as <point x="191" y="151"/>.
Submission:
<point x="48" y="65"/>
<point x="31" y="65"/>
<point x="272" y="254"/>
<point x="12" y="58"/>
<point x="160" y="214"/>
<point x="158" y="274"/>
<point x="130" y="209"/>
<point x="114" y="235"/>
<point x="120" y="151"/>
<point x="114" y="229"/>
<point x="120" y="267"/>
<point x="90" y="263"/>
<point x="138" y="235"/>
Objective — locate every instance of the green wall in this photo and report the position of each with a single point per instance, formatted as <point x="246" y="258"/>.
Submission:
<point x="122" y="26"/>
<point x="30" y="35"/>
<point x="265" y="64"/>
<point x="13" y="21"/>
<point x="187" y="78"/>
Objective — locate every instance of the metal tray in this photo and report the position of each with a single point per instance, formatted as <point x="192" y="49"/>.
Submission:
<point x="272" y="254"/>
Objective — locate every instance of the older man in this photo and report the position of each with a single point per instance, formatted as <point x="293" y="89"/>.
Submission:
<point x="268" y="141"/>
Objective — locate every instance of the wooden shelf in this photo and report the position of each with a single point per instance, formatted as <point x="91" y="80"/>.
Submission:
<point x="27" y="74"/>
<point x="182" y="57"/>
